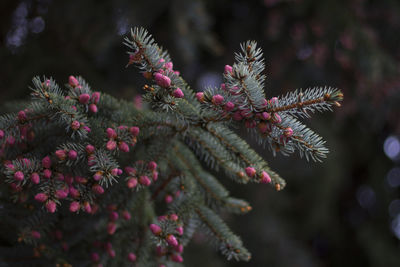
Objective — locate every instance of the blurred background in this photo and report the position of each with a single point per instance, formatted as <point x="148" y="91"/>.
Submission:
<point x="343" y="212"/>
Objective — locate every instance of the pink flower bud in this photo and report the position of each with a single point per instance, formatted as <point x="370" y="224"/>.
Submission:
<point x="73" y="192"/>
<point x="91" y="160"/>
<point x="47" y="173"/>
<point x="51" y="206"/>
<point x="237" y="116"/>
<point x="1" y="134"/>
<point x="60" y="194"/>
<point x="95" y="257"/>
<point x="97" y="176"/>
<point x="173" y="217"/>
<point x="274" y="101"/>
<point x="126" y="215"/>
<point x="87" y="129"/>
<point x="74" y="206"/>
<point x="217" y="99"/>
<point x="111" y="133"/>
<point x="266" y="116"/>
<point x="35" y="178"/>
<point x="72" y="155"/>
<point x="200" y="96"/>
<point x="35" y="234"/>
<point x="73" y="81"/>
<point x="60" y="154"/>
<point x="171" y="240"/>
<point x="21" y="115"/>
<point x="19" y="176"/>
<point x="114" y="216"/>
<point x="229" y="106"/>
<point x="75" y="125"/>
<point x="46" y="162"/>
<point x="41" y="197"/>
<point x="169" y="65"/>
<point x="179" y="248"/>
<point x="87" y="207"/>
<point x="161" y="251"/>
<point x="132" y="182"/>
<point x="96" y="97"/>
<point x="132" y="257"/>
<point x="111" y="228"/>
<point x="178" y="93"/>
<point x="155" y="176"/>
<point x="98" y="189"/>
<point x="176" y="258"/>
<point x="115" y="172"/>
<point x="90" y="149"/>
<point x="250" y="171"/>
<point x="123" y="147"/>
<point x="265" y="179"/>
<point x="168" y="199"/>
<point x="276" y="118"/>
<point x="93" y="108"/>
<point x="162" y="80"/>
<point x="111" y="253"/>
<point x="223" y="87"/>
<point x="84" y="98"/>
<point x="144" y="180"/>
<point x="134" y="130"/>
<point x="250" y="124"/>
<point x="152" y="166"/>
<point x="228" y="69"/>
<point x="155" y="229"/>
<point x="179" y="230"/>
<point x="111" y="145"/>
<point x="288" y="132"/>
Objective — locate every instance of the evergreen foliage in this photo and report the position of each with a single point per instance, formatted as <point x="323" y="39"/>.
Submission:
<point x="84" y="175"/>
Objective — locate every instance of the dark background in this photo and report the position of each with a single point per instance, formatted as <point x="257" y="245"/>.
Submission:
<point x="343" y="212"/>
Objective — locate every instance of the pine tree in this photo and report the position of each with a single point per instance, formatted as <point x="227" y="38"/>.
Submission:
<point x="91" y="180"/>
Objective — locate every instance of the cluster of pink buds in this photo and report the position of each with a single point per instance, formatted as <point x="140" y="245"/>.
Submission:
<point x="76" y="125"/>
<point x="163" y="80"/>
<point x="262" y="176"/>
<point x="114" y="216"/>
<point x="63" y="154"/>
<point x="141" y="174"/>
<point x="171" y="249"/>
<point x="122" y="138"/>
<point x="84" y="97"/>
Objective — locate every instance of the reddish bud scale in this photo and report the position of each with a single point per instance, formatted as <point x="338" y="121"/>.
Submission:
<point x="288" y="132"/>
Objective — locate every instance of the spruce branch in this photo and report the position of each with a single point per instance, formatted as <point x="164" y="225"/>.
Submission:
<point x="128" y="186"/>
